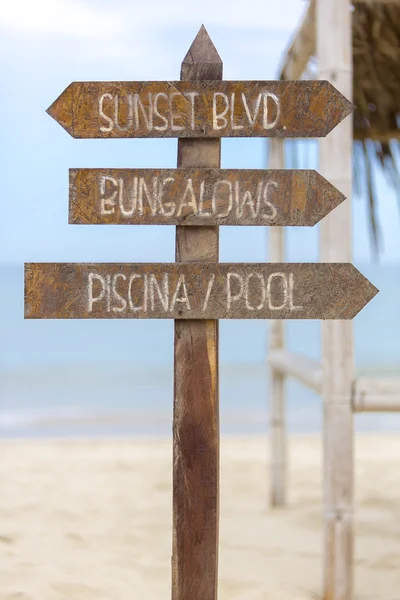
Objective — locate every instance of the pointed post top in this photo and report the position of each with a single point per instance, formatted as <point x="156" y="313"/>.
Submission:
<point x="202" y="60"/>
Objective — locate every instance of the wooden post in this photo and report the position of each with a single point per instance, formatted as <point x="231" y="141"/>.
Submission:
<point x="334" y="54"/>
<point x="278" y="438"/>
<point x="196" y="398"/>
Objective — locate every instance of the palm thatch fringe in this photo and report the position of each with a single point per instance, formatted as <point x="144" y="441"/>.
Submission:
<point x="376" y="61"/>
<point x="376" y="65"/>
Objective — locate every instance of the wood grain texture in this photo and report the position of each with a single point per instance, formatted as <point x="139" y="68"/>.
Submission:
<point x="199" y="109"/>
<point x="196" y="384"/>
<point x="209" y="197"/>
<point x="195" y="290"/>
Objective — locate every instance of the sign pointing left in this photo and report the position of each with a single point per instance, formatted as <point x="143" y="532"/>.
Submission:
<point x="200" y="109"/>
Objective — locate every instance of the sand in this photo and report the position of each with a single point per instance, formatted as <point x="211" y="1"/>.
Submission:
<point x="91" y="520"/>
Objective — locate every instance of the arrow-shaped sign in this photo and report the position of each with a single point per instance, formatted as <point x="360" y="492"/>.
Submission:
<point x="195" y="291"/>
<point x="200" y="109"/>
<point x="199" y="197"/>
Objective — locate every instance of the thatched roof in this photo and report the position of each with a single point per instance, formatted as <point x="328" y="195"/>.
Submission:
<point x="376" y="64"/>
<point x="376" y="92"/>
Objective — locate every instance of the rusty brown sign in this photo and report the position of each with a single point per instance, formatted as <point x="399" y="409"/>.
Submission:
<point x="199" y="197"/>
<point x="200" y="109"/>
<point x="195" y="291"/>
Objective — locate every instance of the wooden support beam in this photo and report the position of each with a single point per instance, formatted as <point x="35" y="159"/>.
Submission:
<point x="306" y="370"/>
<point x="196" y="385"/>
<point x="302" y="47"/>
<point x="376" y="395"/>
<point x="278" y="434"/>
<point x="334" y="59"/>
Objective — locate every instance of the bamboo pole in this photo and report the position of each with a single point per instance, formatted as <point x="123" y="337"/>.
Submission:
<point x="196" y="398"/>
<point x="301" y="48"/>
<point x="376" y="395"/>
<point x="303" y="368"/>
<point x="334" y="55"/>
<point x="278" y="439"/>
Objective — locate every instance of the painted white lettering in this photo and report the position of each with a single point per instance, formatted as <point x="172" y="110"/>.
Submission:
<point x="285" y="291"/>
<point x="222" y="195"/>
<point x="191" y="201"/>
<point x="209" y="288"/>
<point x="252" y="118"/>
<point x="233" y="124"/>
<point x="174" y="116"/>
<point x="108" y="292"/>
<point x="147" y="116"/>
<point x="270" y="124"/>
<point x="291" y="285"/>
<point x="110" y="121"/>
<point x="116" y="295"/>
<point x="230" y="296"/>
<point x="247" y="200"/>
<point x="218" y="117"/>
<point x="247" y="291"/>
<point x="163" y="294"/>
<point x="163" y="205"/>
<point x="271" y="213"/>
<point x="202" y="212"/>
<point x="151" y="198"/>
<point x="107" y="205"/>
<point x="192" y="96"/>
<point x="91" y="298"/>
<point x="132" y="197"/>
<point x="157" y="113"/>
<point x="135" y="307"/>
<point x="129" y="113"/>
<point x="184" y="299"/>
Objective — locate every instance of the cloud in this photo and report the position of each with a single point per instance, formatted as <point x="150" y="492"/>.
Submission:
<point x="66" y="17"/>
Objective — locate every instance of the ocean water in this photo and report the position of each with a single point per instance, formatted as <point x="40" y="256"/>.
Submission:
<point x="116" y="377"/>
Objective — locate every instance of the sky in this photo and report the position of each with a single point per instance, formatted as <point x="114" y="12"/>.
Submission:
<point x="46" y="44"/>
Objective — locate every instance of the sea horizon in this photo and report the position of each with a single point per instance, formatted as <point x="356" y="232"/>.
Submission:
<point x="74" y="378"/>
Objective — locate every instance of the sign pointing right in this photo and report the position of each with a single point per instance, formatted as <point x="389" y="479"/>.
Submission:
<point x="195" y="291"/>
<point x="200" y="197"/>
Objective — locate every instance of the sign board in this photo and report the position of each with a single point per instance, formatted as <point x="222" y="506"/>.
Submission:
<point x="195" y="291"/>
<point x="200" y="109"/>
<point x="199" y="197"/>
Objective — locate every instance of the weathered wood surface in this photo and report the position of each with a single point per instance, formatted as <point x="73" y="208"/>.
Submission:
<point x="277" y="406"/>
<point x="303" y="368"/>
<point x="376" y="395"/>
<point x="193" y="109"/>
<point x="199" y="197"/>
<point x="195" y="291"/>
<point x="196" y="385"/>
<point x="335" y="62"/>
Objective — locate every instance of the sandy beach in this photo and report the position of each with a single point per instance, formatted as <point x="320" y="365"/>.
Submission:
<point x="91" y="520"/>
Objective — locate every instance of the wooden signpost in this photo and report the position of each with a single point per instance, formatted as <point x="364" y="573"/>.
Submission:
<point x="197" y="290"/>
